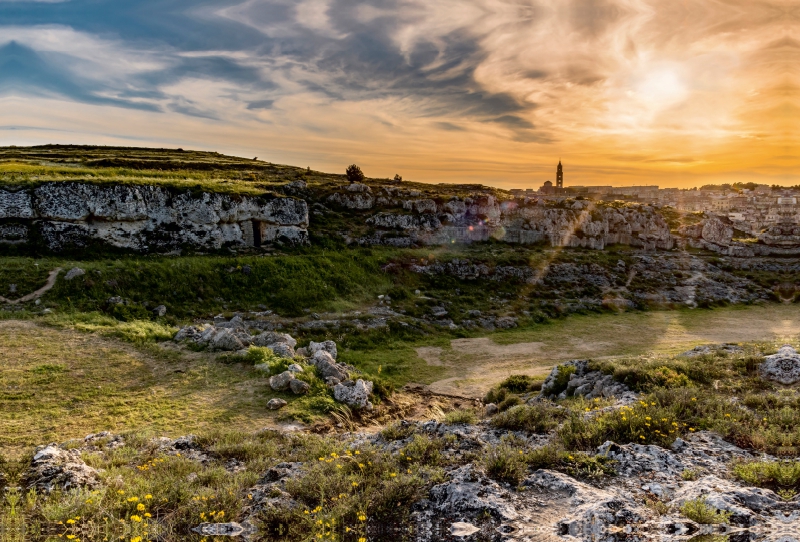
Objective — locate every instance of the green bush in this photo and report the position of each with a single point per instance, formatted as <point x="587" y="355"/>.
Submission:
<point x="397" y="431"/>
<point x="505" y="463"/>
<point x="562" y="378"/>
<point x="465" y="415"/>
<point x="539" y="417"/>
<point x="776" y="475"/>
<point x="508" y="402"/>
<point x="520" y="383"/>
<point x="699" y="511"/>
<point x="423" y="450"/>
<point x="495" y="395"/>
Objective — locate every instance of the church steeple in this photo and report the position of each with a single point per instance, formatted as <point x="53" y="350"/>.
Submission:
<point x="559" y="175"/>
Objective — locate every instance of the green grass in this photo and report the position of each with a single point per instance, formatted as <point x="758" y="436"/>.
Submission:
<point x="57" y="384"/>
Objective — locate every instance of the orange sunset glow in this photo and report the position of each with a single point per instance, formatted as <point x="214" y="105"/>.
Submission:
<point x="669" y="92"/>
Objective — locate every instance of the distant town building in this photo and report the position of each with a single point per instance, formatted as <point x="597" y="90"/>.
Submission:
<point x="559" y="176"/>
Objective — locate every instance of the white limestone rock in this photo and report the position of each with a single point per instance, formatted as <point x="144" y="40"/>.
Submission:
<point x="782" y="367"/>
<point x="327" y="346"/>
<point x="354" y="394"/>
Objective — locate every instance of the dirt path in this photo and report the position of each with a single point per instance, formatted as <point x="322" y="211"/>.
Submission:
<point x="474" y="365"/>
<point x="51" y="281"/>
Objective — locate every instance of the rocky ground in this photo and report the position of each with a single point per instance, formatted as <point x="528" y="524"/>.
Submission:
<point x="641" y="500"/>
<point x="462" y="475"/>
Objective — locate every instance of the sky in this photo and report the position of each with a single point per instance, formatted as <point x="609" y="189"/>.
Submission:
<point x="624" y="92"/>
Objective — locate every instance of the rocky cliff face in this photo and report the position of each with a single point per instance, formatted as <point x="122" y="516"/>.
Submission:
<point x="146" y="218"/>
<point x="400" y="218"/>
<point x="716" y="234"/>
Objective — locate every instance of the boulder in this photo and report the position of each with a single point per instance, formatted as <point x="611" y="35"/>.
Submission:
<point x="327" y="367"/>
<point x="295" y="368"/>
<point x="469" y="493"/>
<point x="160" y="311"/>
<point x="275" y="404"/>
<point x="591" y="511"/>
<point x="354" y="394"/>
<point x="782" y="367"/>
<point x="188" y="333"/>
<point x="281" y="382"/>
<point x="717" y="232"/>
<point x="582" y="381"/>
<point x="74" y="273"/>
<point x="506" y="322"/>
<point x="745" y="503"/>
<point x="327" y="346"/>
<point x="299" y="387"/>
<point x="282" y="350"/>
<point x="226" y="340"/>
<point x="269" y="338"/>
<point x="53" y="468"/>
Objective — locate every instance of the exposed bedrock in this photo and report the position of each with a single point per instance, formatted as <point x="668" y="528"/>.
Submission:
<point x="147" y="218"/>
<point x="428" y="222"/>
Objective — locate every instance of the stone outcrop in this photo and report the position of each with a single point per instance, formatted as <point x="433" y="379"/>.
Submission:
<point x="480" y="218"/>
<point x="716" y="234"/>
<point x="145" y="218"/>
<point x="582" y="381"/>
<point x="54" y="468"/>
<point x="782" y="367"/>
<point x="354" y="394"/>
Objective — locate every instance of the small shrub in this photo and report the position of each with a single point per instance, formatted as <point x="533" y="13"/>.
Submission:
<point x="657" y="505"/>
<point x="461" y="416"/>
<point x="495" y="395"/>
<point x="689" y="475"/>
<point x="508" y="402"/>
<point x="536" y="418"/>
<point x="562" y="378"/>
<point x="258" y="355"/>
<point x="769" y="474"/>
<point x="397" y="431"/>
<point x="505" y="463"/>
<point x="699" y="511"/>
<point x="518" y="383"/>
<point x="423" y="449"/>
<point x="577" y="464"/>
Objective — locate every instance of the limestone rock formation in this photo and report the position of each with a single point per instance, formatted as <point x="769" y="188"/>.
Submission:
<point x="480" y="218"/>
<point x="327" y="346"/>
<point x="354" y="394"/>
<point x="150" y="218"/>
<point x="281" y="381"/>
<point x="54" y="468"/>
<point x="327" y="367"/>
<point x="717" y="231"/>
<point x="582" y="381"/>
<point x="783" y="367"/>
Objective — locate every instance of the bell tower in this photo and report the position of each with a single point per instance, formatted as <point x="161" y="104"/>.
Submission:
<point x="559" y="176"/>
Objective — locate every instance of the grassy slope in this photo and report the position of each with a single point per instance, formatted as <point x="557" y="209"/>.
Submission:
<point x="57" y="384"/>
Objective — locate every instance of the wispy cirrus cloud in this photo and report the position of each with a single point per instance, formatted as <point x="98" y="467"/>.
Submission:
<point x="489" y="90"/>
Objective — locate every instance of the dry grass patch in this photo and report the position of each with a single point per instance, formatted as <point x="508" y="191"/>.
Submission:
<point x="61" y="384"/>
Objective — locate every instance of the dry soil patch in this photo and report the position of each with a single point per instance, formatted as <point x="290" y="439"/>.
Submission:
<point x="474" y="365"/>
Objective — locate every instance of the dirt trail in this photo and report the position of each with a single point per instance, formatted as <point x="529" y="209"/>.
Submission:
<point x="51" y="281"/>
<point x="474" y="365"/>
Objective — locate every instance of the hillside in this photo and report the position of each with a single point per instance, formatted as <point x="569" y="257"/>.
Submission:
<point x="207" y="339"/>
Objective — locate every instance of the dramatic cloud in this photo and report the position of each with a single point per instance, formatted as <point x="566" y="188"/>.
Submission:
<point x="495" y="91"/>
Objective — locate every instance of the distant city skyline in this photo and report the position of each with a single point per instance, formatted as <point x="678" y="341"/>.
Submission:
<point x="624" y="92"/>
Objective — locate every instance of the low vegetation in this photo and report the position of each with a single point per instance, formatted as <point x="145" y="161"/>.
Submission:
<point x="699" y="511"/>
